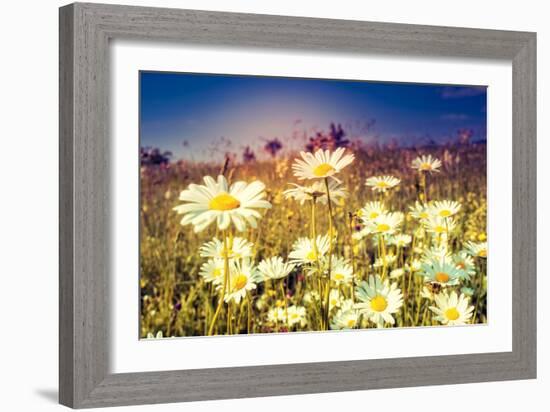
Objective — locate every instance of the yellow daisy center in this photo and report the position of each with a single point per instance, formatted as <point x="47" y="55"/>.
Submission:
<point x="322" y="170"/>
<point x="311" y="256"/>
<point x="445" y="213"/>
<point x="452" y="314"/>
<point x="217" y="272"/>
<point x="424" y="215"/>
<point x="442" y="277"/>
<point x="240" y="282"/>
<point x="223" y="201"/>
<point x="482" y="253"/>
<point x="378" y="303"/>
<point x="383" y="227"/>
<point x="351" y="323"/>
<point x="294" y="316"/>
<point x="439" y="229"/>
<point x="374" y="215"/>
<point x="425" y="166"/>
<point x="339" y="276"/>
<point x="382" y="184"/>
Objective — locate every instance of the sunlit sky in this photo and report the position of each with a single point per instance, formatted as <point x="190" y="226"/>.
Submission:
<point x="200" y="109"/>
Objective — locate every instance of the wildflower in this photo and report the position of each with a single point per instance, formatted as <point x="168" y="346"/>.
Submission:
<point x="439" y="225"/>
<point x="334" y="299"/>
<point x="238" y="248"/>
<point x="386" y="224"/>
<point x="397" y="273"/>
<point x="477" y="249"/>
<point x="391" y="258"/>
<point x="317" y="191"/>
<point x="212" y="271"/>
<point x="426" y="164"/>
<point x="276" y="315"/>
<point x="371" y="211"/>
<point x="420" y="211"/>
<point x="321" y="164"/>
<point x="217" y="202"/>
<point x="436" y="253"/>
<point x="305" y="251"/>
<point x="452" y="309"/>
<point x="345" y="319"/>
<point x="382" y="183"/>
<point x="441" y="272"/>
<point x="400" y="240"/>
<point x="445" y="208"/>
<point x="275" y="268"/>
<point x="465" y="264"/>
<point x="297" y="315"/>
<point x="242" y="278"/>
<point x="342" y="272"/>
<point x="379" y="300"/>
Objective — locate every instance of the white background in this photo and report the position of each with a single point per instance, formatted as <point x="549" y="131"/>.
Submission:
<point x="28" y="96"/>
<point x="132" y="355"/>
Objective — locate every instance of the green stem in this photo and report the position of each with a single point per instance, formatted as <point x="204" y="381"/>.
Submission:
<point x="330" y="231"/>
<point x="225" y="283"/>
<point x="286" y="303"/>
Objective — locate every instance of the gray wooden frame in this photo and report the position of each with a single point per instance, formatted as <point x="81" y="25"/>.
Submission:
<point x="85" y="31"/>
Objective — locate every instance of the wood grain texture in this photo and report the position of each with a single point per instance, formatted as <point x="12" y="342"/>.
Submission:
<point x="85" y="31"/>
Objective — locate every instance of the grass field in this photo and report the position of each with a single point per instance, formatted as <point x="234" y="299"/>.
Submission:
<point x="364" y="273"/>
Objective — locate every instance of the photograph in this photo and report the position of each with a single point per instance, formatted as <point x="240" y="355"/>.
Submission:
<point x="284" y="204"/>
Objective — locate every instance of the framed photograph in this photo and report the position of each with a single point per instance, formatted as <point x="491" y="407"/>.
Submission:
<point x="256" y="205"/>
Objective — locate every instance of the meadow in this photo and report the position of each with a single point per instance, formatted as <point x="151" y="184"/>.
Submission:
<point x="397" y="243"/>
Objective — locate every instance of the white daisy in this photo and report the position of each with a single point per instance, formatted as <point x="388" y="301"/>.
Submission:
<point x="452" y="309"/>
<point x="217" y="202"/>
<point x="415" y="266"/>
<point x="379" y="300"/>
<point x="391" y="258"/>
<point x="345" y="319"/>
<point x="397" y="273"/>
<point x="426" y="164"/>
<point x="243" y="277"/>
<point x="420" y="211"/>
<point x="439" y="225"/>
<point x="303" y="250"/>
<point x="334" y="299"/>
<point x="297" y="316"/>
<point x="465" y="263"/>
<point x="371" y="211"/>
<point x="400" y="240"/>
<point x="382" y="183"/>
<point x="386" y="224"/>
<point x="436" y="253"/>
<point x="238" y="248"/>
<point x="311" y="298"/>
<point x="441" y="272"/>
<point x="275" y="268"/>
<point x="477" y="249"/>
<point x="342" y="272"/>
<point x="212" y="271"/>
<point x="276" y="315"/>
<point x="445" y="208"/>
<point x="321" y="164"/>
<point x="317" y="191"/>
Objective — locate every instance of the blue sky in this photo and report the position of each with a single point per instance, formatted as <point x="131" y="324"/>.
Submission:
<point x="200" y="109"/>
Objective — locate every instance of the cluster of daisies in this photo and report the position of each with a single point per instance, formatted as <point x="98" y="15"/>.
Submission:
<point x="331" y="293"/>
